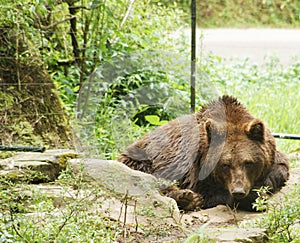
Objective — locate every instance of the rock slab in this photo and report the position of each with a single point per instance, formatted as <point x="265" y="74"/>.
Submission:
<point x="144" y="200"/>
<point x="36" y="167"/>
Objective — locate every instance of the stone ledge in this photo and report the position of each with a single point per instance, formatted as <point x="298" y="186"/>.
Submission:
<point x="33" y="166"/>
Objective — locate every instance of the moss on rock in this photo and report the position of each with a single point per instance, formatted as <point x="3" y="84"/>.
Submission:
<point x="31" y="111"/>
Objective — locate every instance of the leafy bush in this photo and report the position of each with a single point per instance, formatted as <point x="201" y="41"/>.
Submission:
<point x="143" y="93"/>
<point x="134" y="100"/>
<point x="281" y="219"/>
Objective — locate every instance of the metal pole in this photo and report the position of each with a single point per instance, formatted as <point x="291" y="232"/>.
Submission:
<point x="286" y="136"/>
<point x="40" y="149"/>
<point x="193" y="54"/>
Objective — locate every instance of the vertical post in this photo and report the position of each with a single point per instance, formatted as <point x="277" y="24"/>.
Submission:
<point x="193" y="54"/>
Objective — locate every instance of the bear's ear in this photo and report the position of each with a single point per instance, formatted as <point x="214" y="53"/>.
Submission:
<point x="255" y="130"/>
<point x="215" y="130"/>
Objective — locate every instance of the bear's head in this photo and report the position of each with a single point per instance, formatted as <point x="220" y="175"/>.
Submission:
<point x="242" y="154"/>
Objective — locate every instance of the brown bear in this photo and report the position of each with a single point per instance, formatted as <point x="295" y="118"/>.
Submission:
<point x="217" y="156"/>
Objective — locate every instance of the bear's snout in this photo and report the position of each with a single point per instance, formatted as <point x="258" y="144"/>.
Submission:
<point x="240" y="184"/>
<point x="238" y="192"/>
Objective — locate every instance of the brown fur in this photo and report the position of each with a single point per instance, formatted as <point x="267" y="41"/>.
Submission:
<point x="217" y="156"/>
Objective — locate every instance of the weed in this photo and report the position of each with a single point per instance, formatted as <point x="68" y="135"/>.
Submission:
<point x="281" y="219"/>
<point x="261" y="203"/>
<point x="199" y="236"/>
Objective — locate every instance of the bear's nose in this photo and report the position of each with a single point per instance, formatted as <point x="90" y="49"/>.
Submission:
<point x="238" y="192"/>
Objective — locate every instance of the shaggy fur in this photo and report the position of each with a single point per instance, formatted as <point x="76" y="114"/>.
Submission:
<point x="217" y="155"/>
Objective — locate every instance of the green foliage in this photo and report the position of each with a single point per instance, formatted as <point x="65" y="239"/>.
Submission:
<point x="142" y="93"/>
<point x="199" y="236"/>
<point x="261" y="203"/>
<point x="75" y="37"/>
<point x="247" y="13"/>
<point x="6" y="154"/>
<point x="155" y="120"/>
<point x="281" y="219"/>
<point x="109" y="29"/>
<point x="6" y="100"/>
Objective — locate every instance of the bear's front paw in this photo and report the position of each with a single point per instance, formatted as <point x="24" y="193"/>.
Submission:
<point x="187" y="200"/>
<point x="276" y="179"/>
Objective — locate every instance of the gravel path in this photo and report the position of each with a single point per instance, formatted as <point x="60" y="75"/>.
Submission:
<point x="253" y="43"/>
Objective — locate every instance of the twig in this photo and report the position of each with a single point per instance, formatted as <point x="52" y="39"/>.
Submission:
<point x="129" y="7"/>
<point x="80" y="7"/>
<point x="82" y="67"/>
<point x="135" y="217"/>
<point x="233" y="212"/>
<point x="43" y="27"/>
<point x="120" y="214"/>
<point x="125" y="214"/>
<point x="85" y="103"/>
<point x="64" y="223"/>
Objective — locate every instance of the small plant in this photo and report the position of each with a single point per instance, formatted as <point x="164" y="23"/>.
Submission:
<point x="261" y="203"/>
<point x="281" y="217"/>
<point x="200" y="236"/>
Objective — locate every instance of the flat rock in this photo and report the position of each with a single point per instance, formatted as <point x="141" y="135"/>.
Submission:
<point x="254" y="235"/>
<point x="143" y="199"/>
<point x="49" y="164"/>
<point x="214" y="216"/>
<point x="117" y="177"/>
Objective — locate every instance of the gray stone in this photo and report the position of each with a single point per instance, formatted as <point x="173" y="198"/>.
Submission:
<point x="23" y="165"/>
<point x="143" y="200"/>
<point x="254" y="235"/>
<point x="117" y="176"/>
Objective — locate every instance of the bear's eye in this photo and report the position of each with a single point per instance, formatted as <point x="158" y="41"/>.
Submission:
<point x="226" y="166"/>
<point x="249" y="164"/>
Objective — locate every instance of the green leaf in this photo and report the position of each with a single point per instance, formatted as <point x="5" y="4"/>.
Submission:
<point x="155" y="120"/>
<point x="152" y="119"/>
